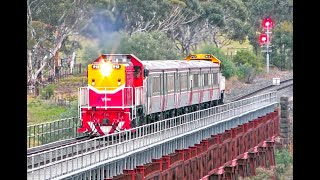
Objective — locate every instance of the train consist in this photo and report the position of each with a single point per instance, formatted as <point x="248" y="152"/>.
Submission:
<point x="124" y="92"/>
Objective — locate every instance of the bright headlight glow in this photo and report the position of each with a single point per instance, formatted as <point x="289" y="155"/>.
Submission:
<point x="106" y="69"/>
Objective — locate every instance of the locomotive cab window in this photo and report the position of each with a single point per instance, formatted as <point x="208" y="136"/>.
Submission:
<point x="137" y="71"/>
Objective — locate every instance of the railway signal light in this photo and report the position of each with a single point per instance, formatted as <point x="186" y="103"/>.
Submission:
<point x="267" y="23"/>
<point x="263" y="39"/>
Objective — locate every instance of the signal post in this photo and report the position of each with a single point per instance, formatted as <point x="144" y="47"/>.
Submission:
<point x="267" y="24"/>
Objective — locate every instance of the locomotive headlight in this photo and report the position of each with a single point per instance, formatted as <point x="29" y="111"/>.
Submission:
<point x="105" y="69"/>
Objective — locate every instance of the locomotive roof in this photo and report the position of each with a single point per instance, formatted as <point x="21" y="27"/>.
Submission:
<point x="177" y="64"/>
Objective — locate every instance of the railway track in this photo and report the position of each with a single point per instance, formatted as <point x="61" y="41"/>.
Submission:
<point x="283" y="85"/>
<point x="53" y="145"/>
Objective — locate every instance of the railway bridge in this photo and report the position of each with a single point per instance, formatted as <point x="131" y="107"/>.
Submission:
<point x="222" y="142"/>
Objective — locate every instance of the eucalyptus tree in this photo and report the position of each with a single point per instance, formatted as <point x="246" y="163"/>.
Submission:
<point x="49" y="24"/>
<point x="282" y="41"/>
<point x="150" y="15"/>
<point x="219" y="22"/>
<point x="153" y="45"/>
<point x="227" y="20"/>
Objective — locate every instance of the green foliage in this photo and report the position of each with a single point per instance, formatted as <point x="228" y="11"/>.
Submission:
<point x="282" y="42"/>
<point x="228" y="67"/>
<point x="284" y="162"/>
<point x="88" y="51"/>
<point x="249" y="65"/>
<point x="148" y="46"/>
<point x="246" y="72"/>
<point x="247" y="57"/>
<point x="283" y="157"/>
<point x="47" y="92"/>
<point x="72" y="111"/>
<point x="261" y="174"/>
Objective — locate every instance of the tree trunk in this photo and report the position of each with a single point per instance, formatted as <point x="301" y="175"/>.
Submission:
<point x="36" y="89"/>
<point x="73" y="57"/>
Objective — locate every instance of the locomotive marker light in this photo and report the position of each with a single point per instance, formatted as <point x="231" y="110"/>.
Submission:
<point x="267" y="24"/>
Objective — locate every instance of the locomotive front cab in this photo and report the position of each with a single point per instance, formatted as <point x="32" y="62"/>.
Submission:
<point x="104" y="105"/>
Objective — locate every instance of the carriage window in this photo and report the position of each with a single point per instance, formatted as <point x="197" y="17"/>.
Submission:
<point x="156" y="85"/>
<point x="170" y="82"/>
<point x="183" y="81"/>
<point x="206" y="80"/>
<point x="195" y="80"/>
<point x="215" y="79"/>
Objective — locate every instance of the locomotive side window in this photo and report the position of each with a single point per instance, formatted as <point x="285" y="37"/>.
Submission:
<point x="155" y="85"/>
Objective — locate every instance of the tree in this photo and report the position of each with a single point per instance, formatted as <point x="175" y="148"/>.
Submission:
<point x="227" y="20"/>
<point x="49" y="23"/>
<point x="227" y="66"/>
<point x="150" y="15"/>
<point x="282" y="41"/>
<point x="248" y="65"/>
<point x="148" y="46"/>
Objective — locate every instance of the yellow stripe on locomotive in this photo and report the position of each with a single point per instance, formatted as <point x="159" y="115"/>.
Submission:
<point x="106" y="75"/>
<point x="206" y="57"/>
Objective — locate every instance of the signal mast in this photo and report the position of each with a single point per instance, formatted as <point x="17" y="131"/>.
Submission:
<point x="264" y="39"/>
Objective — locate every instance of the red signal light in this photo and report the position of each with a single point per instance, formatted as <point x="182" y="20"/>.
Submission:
<point x="263" y="38"/>
<point x="267" y="23"/>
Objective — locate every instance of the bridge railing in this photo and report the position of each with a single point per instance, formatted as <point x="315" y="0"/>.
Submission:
<point x="45" y="133"/>
<point x="114" y="145"/>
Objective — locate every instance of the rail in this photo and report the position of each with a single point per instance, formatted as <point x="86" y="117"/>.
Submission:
<point x="114" y="145"/>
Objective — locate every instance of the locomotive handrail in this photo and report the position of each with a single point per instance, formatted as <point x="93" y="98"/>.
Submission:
<point x="109" y="146"/>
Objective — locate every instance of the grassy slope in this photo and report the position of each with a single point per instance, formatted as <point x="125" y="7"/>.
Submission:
<point x="236" y="46"/>
<point x="39" y="110"/>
